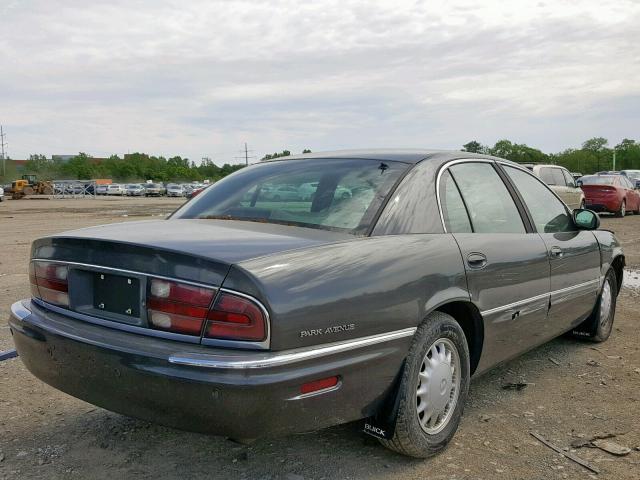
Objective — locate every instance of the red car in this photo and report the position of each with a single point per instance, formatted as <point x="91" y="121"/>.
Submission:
<point x="610" y="193"/>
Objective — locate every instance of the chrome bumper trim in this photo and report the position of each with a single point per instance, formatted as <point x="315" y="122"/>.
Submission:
<point x="19" y="311"/>
<point x="274" y="359"/>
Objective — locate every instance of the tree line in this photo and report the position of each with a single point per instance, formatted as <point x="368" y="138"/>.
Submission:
<point x="135" y="167"/>
<point x="594" y="156"/>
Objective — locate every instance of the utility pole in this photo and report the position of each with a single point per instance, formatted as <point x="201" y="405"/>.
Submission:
<point x="246" y="156"/>
<point x="614" y="160"/>
<point x="2" y="145"/>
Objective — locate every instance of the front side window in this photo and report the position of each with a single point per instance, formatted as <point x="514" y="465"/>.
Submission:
<point x="549" y="214"/>
<point x="491" y="208"/>
<point x="568" y="179"/>
<point x="331" y="194"/>
<point x="453" y="210"/>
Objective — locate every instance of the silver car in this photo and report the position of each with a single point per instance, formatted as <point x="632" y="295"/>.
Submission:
<point x="561" y="182"/>
<point x="175" y="190"/>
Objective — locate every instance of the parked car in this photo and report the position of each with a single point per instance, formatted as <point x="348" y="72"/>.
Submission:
<point x="135" y="190"/>
<point x="561" y="182"/>
<point x="154" y="189"/>
<point x="196" y="191"/>
<point x="611" y="193"/>
<point x="102" y="189"/>
<point x="633" y="176"/>
<point x="1" y="194"/>
<point x="115" y="189"/>
<point x="175" y="190"/>
<point x="282" y="193"/>
<point x="262" y="318"/>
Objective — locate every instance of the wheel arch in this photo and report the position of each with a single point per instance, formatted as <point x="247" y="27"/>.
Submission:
<point x="468" y="317"/>
<point x="617" y="264"/>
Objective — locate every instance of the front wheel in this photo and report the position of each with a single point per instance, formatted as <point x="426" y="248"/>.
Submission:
<point x="433" y="388"/>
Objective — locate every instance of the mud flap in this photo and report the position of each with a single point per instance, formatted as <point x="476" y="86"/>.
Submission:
<point x="383" y="424"/>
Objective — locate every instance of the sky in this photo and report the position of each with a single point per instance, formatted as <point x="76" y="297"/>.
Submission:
<point x="199" y="78"/>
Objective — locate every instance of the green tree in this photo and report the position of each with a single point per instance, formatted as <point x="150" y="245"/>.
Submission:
<point x="474" y="147"/>
<point x="271" y="156"/>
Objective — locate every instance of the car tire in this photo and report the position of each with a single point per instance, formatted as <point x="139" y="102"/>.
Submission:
<point x="622" y="210"/>
<point x="438" y="336"/>
<point x="598" y="326"/>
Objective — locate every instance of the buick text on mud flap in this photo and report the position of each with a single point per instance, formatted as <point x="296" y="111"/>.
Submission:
<point x="325" y="331"/>
<point x="376" y="431"/>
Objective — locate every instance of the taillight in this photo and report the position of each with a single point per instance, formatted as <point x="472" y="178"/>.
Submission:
<point x="49" y="282"/>
<point x="233" y="317"/>
<point x="178" y="307"/>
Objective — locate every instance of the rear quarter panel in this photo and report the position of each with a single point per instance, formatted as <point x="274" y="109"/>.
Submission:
<point x="366" y="286"/>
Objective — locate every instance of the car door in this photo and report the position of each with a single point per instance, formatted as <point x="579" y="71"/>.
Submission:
<point x="574" y="255"/>
<point x="506" y="264"/>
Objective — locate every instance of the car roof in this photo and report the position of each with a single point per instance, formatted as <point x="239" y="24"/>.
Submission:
<point x="410" y="156"/>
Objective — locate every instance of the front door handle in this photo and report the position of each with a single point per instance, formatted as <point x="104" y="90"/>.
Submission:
<point x="556" y="252"/>
<point x="476" y="260"/>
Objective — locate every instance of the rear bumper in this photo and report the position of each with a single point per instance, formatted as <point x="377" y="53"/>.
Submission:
<point x="603" y="205"/>
<point x="238" y="394"/>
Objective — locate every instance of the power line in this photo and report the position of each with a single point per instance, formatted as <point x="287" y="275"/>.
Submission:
<point x="246" y="154"/>
<point x="2" y="145"/>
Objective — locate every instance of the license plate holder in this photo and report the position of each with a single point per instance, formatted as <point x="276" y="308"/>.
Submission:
<point x="117" y="294"/>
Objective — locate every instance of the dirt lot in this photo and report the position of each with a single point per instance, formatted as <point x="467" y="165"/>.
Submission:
<point x="576" y="390"/>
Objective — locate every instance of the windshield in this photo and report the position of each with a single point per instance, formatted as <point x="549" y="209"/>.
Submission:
<point x="331" y="194"/>
<point x="597" y="180"/>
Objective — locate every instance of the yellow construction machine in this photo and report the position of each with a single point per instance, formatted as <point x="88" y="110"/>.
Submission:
<point x="28" y="185"/>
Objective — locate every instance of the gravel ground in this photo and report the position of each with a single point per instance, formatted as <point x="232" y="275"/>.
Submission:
<point x="576" y="390"/>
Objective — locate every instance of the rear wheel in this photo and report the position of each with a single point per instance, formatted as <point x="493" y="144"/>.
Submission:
<point x="433" y="388"/>
<point x="623" y="209"/>
<point x="598" y="326"/>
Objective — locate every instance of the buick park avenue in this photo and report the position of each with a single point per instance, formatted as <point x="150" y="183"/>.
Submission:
<point x="375" y="290"/>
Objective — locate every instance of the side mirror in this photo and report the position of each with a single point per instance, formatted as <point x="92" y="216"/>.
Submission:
<point x="637" y="184"/>
<point x="586" y="219"/>
<point x="579" y="183"/>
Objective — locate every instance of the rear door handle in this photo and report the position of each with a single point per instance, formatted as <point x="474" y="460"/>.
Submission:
<point x="476" y="260"/>
<point x="556" y="252"/>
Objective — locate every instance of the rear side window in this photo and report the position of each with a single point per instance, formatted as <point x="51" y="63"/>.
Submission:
<point x="549" y="214"/>
<point x="491" y="208"/>
<point x="546" y="175"/>
<point x="453" y="210"/>
<point x="558" y="178"/>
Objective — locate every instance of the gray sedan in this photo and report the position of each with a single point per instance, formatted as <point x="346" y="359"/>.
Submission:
<point x="248" y="318"/>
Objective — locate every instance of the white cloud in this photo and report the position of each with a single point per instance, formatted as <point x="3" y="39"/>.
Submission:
<point x="200" y="77"/>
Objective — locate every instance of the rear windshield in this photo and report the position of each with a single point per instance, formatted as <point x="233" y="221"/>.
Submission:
<point x="331" y="194"/>
<point x="597" y="180"/>
<point x="635" y="174"/>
